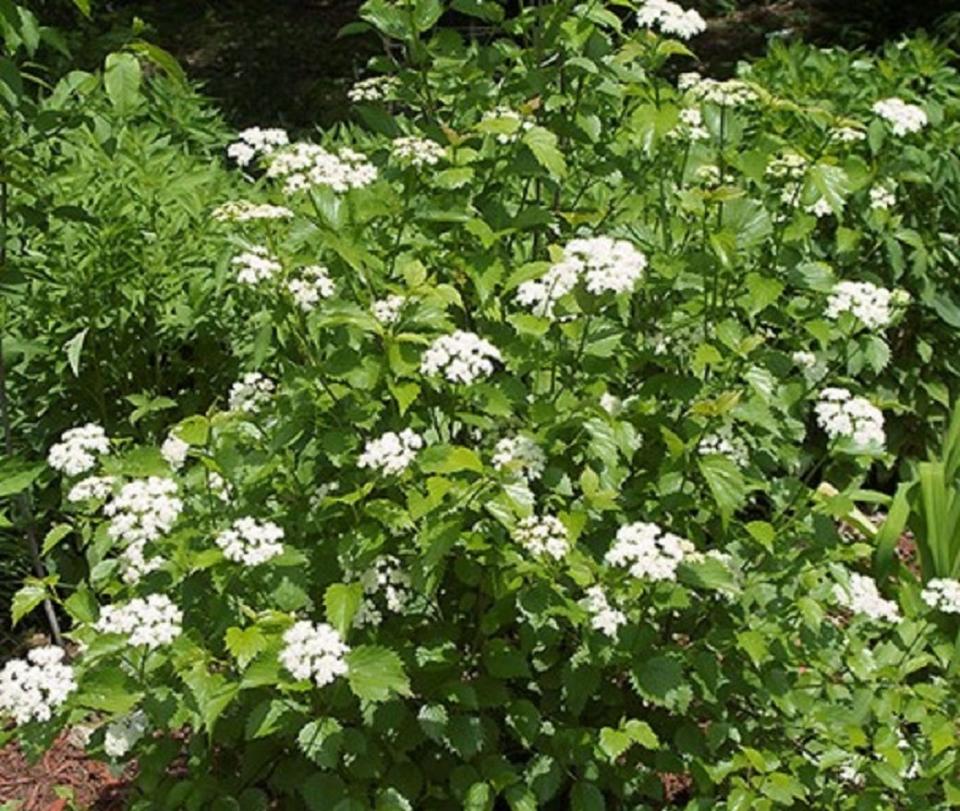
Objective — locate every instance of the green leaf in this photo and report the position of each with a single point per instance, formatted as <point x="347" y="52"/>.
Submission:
<point x="543" y="144"/>
<point x="342" y="601"/>
<point x="82" y="605"/>
<point x="122" y="81"/>
<point x="73" y="347"/>
<point x="193" y="430"/>
<point x="725" y="481"/>
<point x="163" y="59"/>
<point x="244" y="644"/>
<point x="614" y="742"/>
<point x="375" y="673"/>
<point x="27" y="599"/>
<point x="17" y="475"/>
<point x="640" y="732"/>
<point x="321" y="741"/>
<point x="54" y="536"/>
<point x="11" y="85"/>
<point x="449" y="459"/>
<point x="109" y="690"/>
<point x="269" y="717"/>
<point x="586" y="797"/>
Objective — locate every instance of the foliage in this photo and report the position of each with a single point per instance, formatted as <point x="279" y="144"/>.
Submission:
<point x="589" y="553"/>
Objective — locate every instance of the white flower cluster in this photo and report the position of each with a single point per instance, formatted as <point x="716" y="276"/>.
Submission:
<point x="387" y="310"/>
<point x="255" y="266"/>
<point x="122" y="735"/>
<point x="303" y="165"/>
<point x="848" y="135"/>
<point x="671" y="19"/>
<point x="610" y="403"/>
<point x="862" y="597"/>
<point x="174" y="451"/>
<point x="942" y="594"/>
<point x="313" y="284"/>
<point x="543" y="536"/>
<point x="134" y="564"/>
<point x="462" y="357"/>
<point x="903" y="118"/>
<point x="821" y="208"/>
<point x="143" y="510"/>
<point x="256" y="141"/>
<point x="153" y="621"/>
<point x="78" y="448"/>
<point x="813" y="369"/>
<point x="604" y="264"/>
<point x="710" y="176"/>
<point x="725" y="443"/>
<point x="376" y="88"/>
<point x="787" y="165"/>
<point x="92" y="488"/>
<point x="865" y="301"/>
<point x="31" y="689"/>
<point x="690" y="126"/>
<point x="250" y="542"/>
<point x="314" y="651"/>
<point x="520" y="455"/>
<point x="843" y="416"/>
<point x="245" y="211"/>
<point x="417" y="152"/>
<point x="729" y="93"/>
<point x="882" y="198"/>
<point x="604" y="617"/>
<point x="648" y="552"/>
<point x="384" y="577"/>
<point x="391" y="453"/>
<point x="503" y="112"/>
<point x="219" y="486"/>
<point x="251" y="392"/>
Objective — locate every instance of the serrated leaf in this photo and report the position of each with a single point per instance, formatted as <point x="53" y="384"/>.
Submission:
<point x="341" y="602"/>
<point x="374" y="673"/>
<point x="121" y="78"/>
<point x="725" y="481"/>
<point x="321" y="741"/>
<point x="25" y="600"/>
<point x="543" y="144"/>
<point x="244" y="644"/>
<point x="54" y="536"/>
<point x="449" y="459"/>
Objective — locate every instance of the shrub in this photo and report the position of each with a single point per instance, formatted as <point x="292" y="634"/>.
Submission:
<point x="515" y="504"/>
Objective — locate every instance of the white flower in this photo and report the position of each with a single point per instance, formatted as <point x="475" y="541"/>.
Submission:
<point x="78" y="448"/>
<point x="250" y="542"/>
<point x="462" y="357"/>
<point x="256" y="141"/>
<point x="143" y="510"/>
<point x="219" y="486"/>
<point x="417" y="152"/>
<point x="847" y="135"/>
<point x="384" y="583"/>
<point x="543" y="536"/>
<point x="688" y="81"/>
<point x="314" y="651"/>
<point x="861" y="597"/>
<point x="505" y="113"/>
<point x="302" y="166"/>
<point x="882" y="198"/>
<point x="604" y="617"/>
<point x="391" y="453"/>
<point x="92" y="488"/>
<point x="255" y="266"/>
<point x="671" y="18"/>
<point x="376" y="88"/>
<point x="648" y="552"/>
<point x="942" y="594"/>
<point x="865" y="301"/>
<point x="725" y="443"/>
<point x="602" y="263"/>
<point x="520" y="455"/>
<point x="122" y="734"/>
<point x="387" y="310"/>
<point x="32" y="689"/>
<point x="153" y="621"/>
<point x="313" y="284"/>
<point x="903" y="118"/>
<point x="788" y="165"/>
<point x="729" y="93"/>
<point x="690" y="126"/>
<point x="251" y="393"/>
<point x="245" y="211"/>
<point x="843" y="416"/>
<point x="134" y="564"/>
<point x="174" y="451"/>
<point x="610" y="403"/>
<point x="821" y="208"/>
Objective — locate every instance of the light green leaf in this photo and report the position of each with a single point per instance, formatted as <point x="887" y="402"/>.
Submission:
<point x="122" y="81"/>
<point x="244" y="644"/>
<point x="342" y="601"/>
<point x="543" y="144"/>
<point x="375" y="673"/>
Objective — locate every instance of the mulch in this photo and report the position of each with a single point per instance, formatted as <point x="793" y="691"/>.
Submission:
<point x="65" y="777"/>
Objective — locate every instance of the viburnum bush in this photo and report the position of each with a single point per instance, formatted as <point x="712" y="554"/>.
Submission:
<point x="559" y="374"/>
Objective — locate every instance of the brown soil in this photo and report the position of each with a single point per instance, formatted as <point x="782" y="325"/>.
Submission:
<point x="65" y="777"/>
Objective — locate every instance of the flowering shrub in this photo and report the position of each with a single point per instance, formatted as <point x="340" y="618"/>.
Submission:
<point x="520" y="510"/>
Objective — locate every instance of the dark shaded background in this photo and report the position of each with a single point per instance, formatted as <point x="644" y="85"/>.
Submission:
<point x="281" y="61"/>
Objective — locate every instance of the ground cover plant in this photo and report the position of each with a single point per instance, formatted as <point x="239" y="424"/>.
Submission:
<point x="560" y="381"/>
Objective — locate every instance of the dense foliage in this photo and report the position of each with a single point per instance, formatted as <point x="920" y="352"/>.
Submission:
<point x="556" y="375"/>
